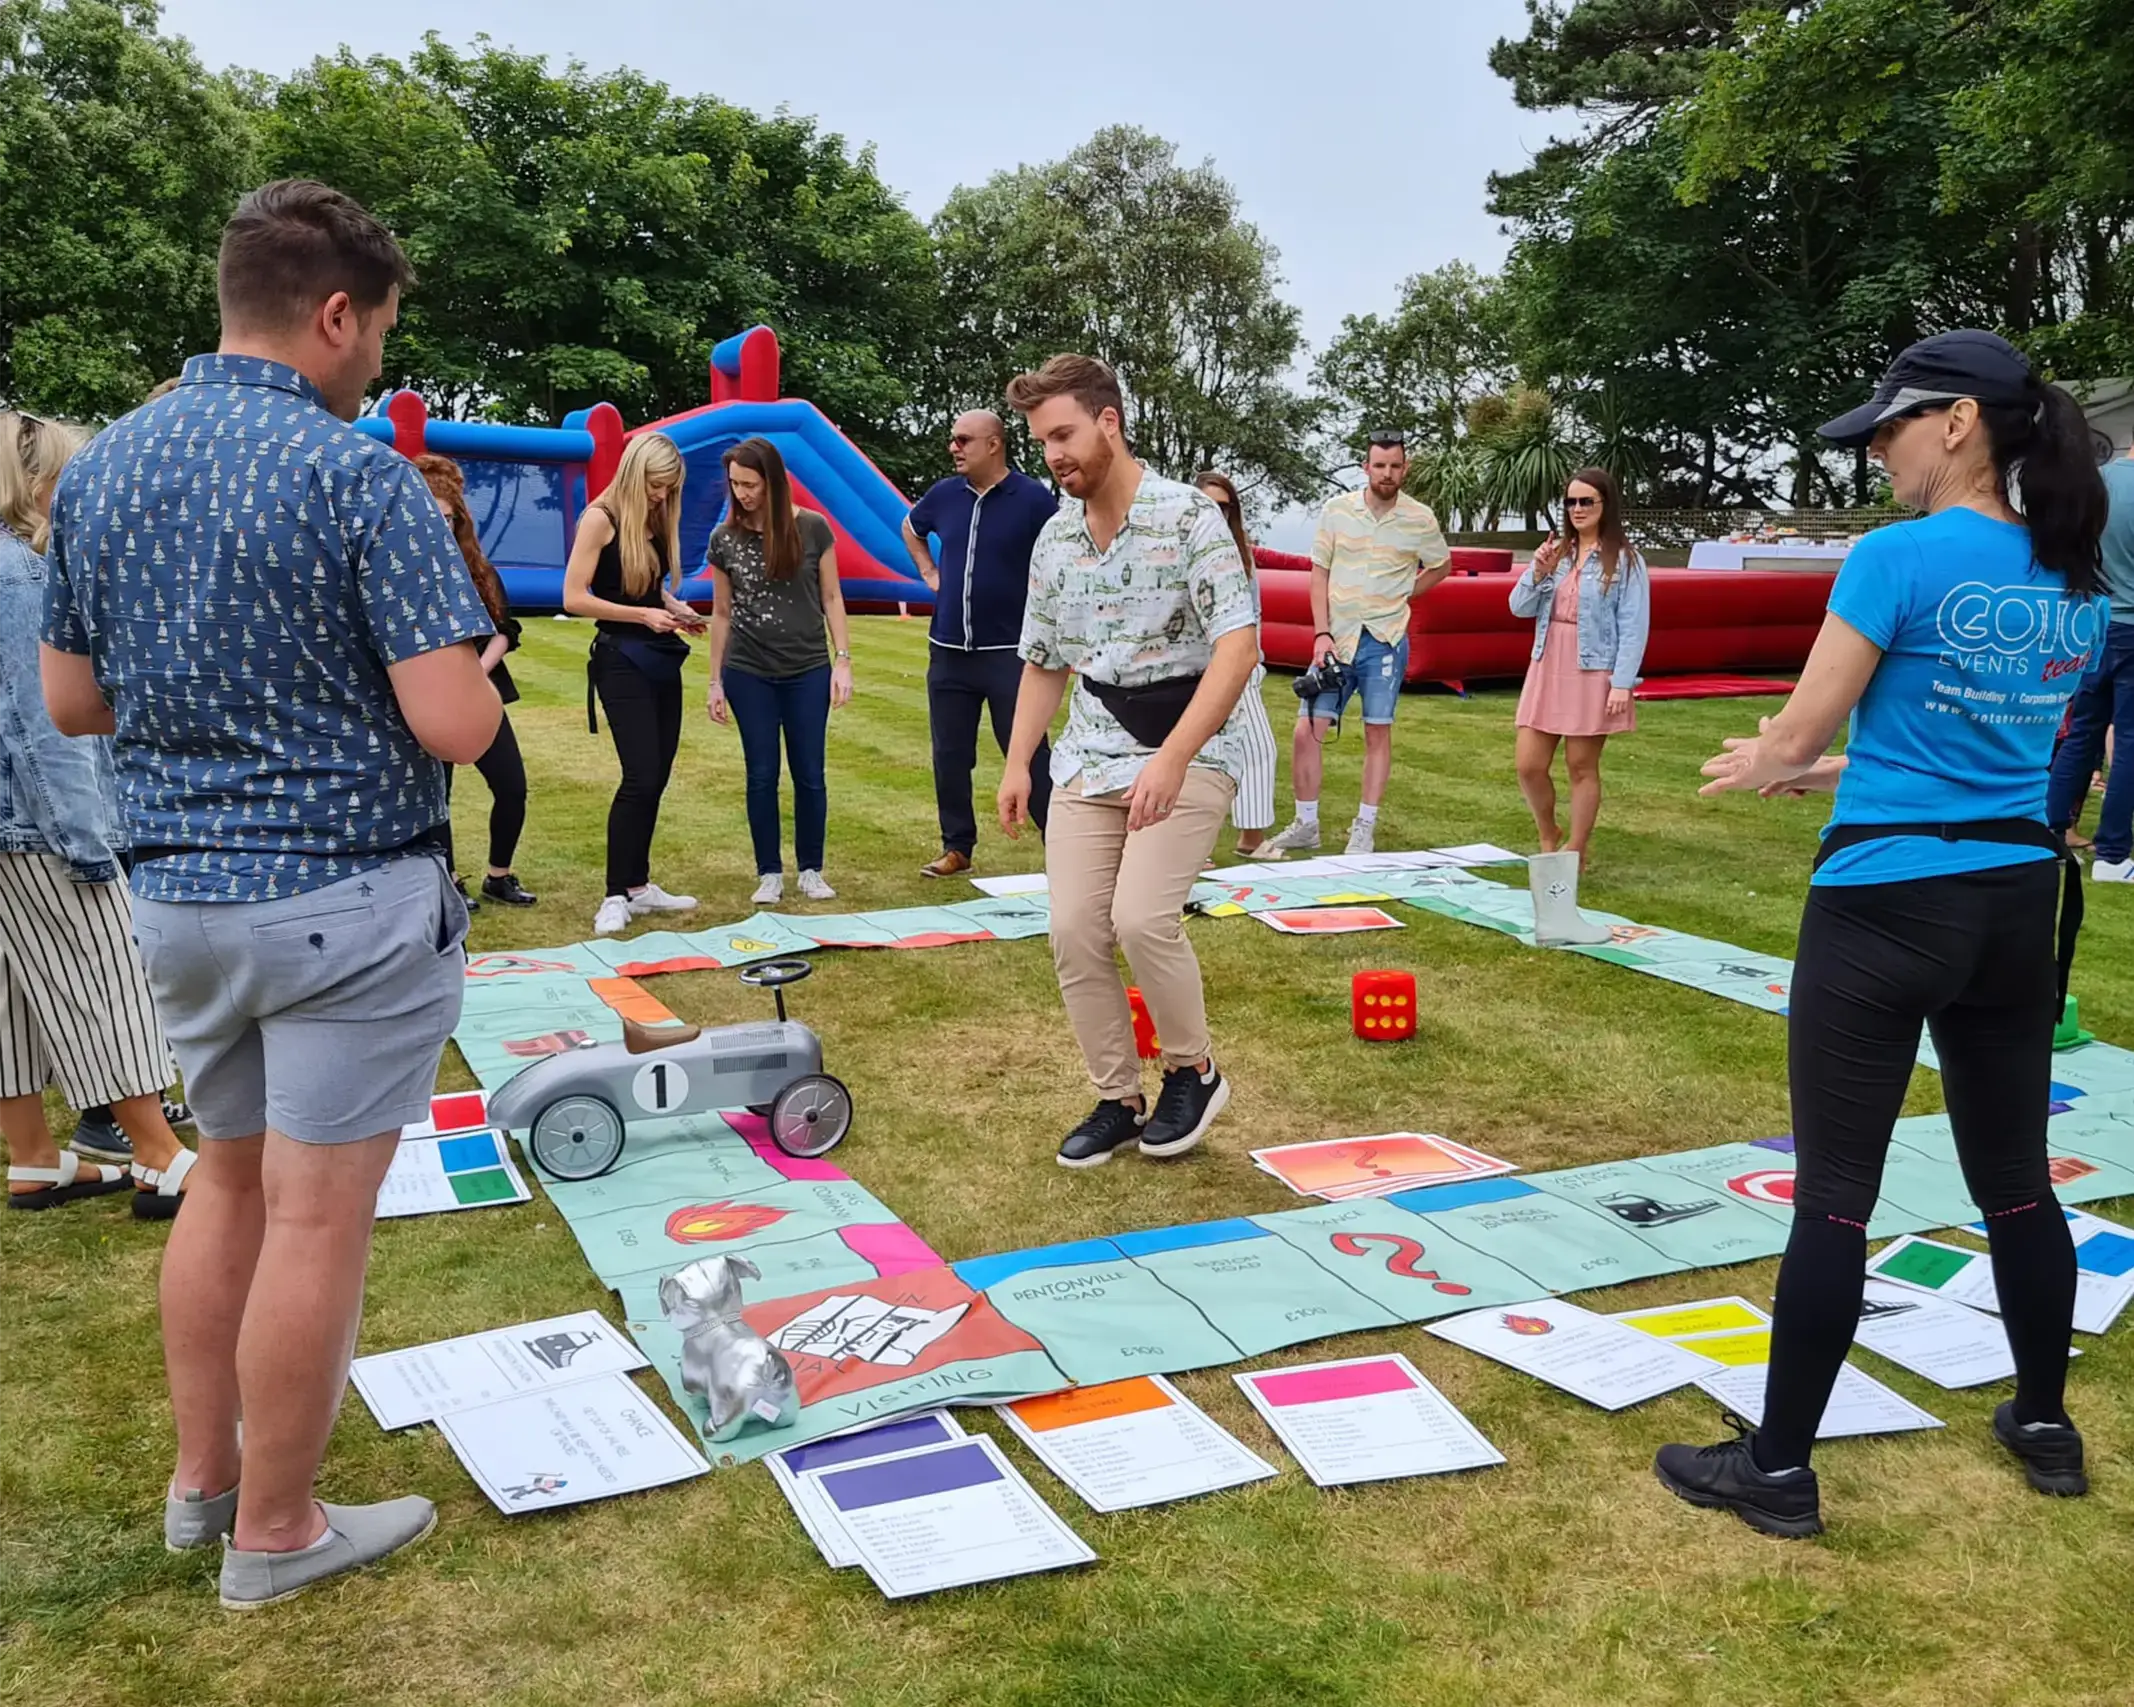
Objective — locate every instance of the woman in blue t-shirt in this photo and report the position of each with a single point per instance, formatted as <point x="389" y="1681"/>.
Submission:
<point x="1952" y="644"/>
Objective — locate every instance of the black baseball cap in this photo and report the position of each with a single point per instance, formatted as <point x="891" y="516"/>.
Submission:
<point x="1939" y="369"/>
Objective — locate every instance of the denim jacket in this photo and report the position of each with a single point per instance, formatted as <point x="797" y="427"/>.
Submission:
<point x="58" y="794"/>
<point x="1612" y="625"/>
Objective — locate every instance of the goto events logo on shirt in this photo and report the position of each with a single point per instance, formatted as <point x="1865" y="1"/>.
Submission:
<point x="2010" y="630"/>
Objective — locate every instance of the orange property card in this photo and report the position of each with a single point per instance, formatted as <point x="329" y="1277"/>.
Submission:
<point x="1347" y="1164"/>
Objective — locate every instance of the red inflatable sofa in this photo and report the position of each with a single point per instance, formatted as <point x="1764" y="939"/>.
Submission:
<point x="1704" y="621"/>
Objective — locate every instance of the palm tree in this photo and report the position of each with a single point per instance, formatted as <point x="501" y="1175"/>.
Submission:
<point x="1525" y="457"/>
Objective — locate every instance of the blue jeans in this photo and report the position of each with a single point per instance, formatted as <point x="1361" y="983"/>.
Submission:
<point x="797" y="708"/>
<point x="1374" y="675"/>
<point x="2105" y="700"/>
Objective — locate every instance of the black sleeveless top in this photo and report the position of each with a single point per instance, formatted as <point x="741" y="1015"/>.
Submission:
<point x="607" y="583"/>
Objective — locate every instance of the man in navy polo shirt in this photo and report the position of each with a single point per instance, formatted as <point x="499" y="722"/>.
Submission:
<point x="987" y="517"/>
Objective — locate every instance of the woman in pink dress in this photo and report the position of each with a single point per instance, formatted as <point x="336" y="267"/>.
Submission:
<point x="1591" y="602"/>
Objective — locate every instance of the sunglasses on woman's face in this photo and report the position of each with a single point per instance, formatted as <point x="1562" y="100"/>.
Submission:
<point x="1579" y="503"/>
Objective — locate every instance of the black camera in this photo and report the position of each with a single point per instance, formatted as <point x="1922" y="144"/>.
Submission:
<point x="1319" y="679"/>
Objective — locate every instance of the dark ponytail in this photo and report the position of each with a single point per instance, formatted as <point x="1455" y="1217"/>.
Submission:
<point x="2046" y="458"/>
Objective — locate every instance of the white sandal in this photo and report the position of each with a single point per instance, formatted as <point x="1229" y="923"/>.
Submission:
<point x="157" y="1193"/>
<point x="71" y="1180"/>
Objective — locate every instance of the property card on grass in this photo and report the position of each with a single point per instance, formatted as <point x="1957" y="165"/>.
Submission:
<point x="1022" y="883"/>
<point x="564" y="1445"/>
<point x="2101" y="1246"/>
<point x="458" y="1111"/>
<point x="1966" y="1277"/>
<point x="429" y="1176"/>
<point x="804" y="1492"/>
<point x="1952" y="1345"/>
<point x="945" y="1516"/>
<point x="1588" y="1356"/>
<point x="1329" y="921"/>
<point x="1366" y="1419"/>
<point x="424" y="1382"/>
<point x="1732" y="1331"/>
<point x="1132" y="1443"/>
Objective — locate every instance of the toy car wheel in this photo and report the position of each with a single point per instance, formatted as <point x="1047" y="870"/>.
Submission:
<point x="576" y="1138"/>
<point x="811" y="1115"/>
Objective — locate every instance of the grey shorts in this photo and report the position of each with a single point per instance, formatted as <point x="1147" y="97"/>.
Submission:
<point x="322" y="1016"/>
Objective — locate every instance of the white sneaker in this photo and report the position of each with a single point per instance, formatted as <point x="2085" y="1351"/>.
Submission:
<point x="2112" y="871"/>
<point x="814" y="888"/>
<point x="653" y="899"/>
<point x="1360" y="835"/>
<point x="1300" y="837"/>
<point x="771" y="890"/>
<point x="613" y="917"/>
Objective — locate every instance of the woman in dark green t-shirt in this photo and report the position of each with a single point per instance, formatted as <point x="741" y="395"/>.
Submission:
<point x="775" y="571"/>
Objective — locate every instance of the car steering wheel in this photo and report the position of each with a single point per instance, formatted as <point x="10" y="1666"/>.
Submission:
<point x="776" y="974"/>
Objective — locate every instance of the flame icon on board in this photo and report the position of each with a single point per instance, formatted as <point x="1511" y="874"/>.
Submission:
<point x="710" y="1223"/>
<point x="1528" y="1324"/>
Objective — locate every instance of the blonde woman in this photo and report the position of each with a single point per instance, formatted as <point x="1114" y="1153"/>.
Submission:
<point x="623" y="568"/>
<point x="74" y="1003"/>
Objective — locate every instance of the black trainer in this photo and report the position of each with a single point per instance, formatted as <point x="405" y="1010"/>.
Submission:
<point x="2051" y="1452"/>
<point x="473" y="900"/>
<point x="1725" y="1478"/>
<point x="1187" y="1107"/>
<point x="507" y="890"/>
<point x="1110" y="1126"/>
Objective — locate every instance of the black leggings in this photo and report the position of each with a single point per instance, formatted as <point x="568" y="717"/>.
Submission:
<point x="504" y="771"/>
<point x="1970" y="957"/>
<point x="645" y="720"/>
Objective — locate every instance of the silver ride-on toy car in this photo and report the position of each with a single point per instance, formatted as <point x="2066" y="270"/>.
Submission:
<point x="569" y="1107"/>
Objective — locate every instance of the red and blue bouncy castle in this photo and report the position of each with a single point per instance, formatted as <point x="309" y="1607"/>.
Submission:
<point x="527" y="486"/>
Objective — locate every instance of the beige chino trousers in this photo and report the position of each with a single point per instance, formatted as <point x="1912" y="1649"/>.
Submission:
<point x="1112" y="891"/>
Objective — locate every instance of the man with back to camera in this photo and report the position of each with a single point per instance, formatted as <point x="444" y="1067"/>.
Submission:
<point x="987" y="517"/>
<point x="2105" y="701"/>
<point x="266" y="608"/>
<point x="1376" y="550"/>
<point x="1139" y="597"/>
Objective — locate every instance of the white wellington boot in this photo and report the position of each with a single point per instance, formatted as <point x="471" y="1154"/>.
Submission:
<point x="1557" y="921"/>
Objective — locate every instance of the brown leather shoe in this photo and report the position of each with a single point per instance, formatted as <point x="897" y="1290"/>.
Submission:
<point x="950" y="864"/>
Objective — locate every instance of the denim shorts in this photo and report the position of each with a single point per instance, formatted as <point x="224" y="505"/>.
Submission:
<point x="321" y="1015"/>
<point x="1375" y="674"/>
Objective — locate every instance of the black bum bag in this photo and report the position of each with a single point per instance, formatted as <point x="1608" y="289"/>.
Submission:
<point x="1149" y="714"/>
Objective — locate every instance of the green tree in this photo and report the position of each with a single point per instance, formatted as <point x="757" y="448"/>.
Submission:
<point x="120" y="158"/>
<point x="1120" y="252"/>
<point x="1445" y="344"/>
<point x="586" y="236"/>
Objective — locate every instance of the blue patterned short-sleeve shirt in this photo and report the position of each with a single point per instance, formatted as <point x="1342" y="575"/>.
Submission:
<point x="240" y="566"/>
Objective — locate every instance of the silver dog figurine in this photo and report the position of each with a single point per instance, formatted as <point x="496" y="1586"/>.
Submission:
<point x="740" y="1374"/>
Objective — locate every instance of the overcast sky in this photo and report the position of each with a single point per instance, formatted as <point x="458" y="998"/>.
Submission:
<point x="1360" y="138"/>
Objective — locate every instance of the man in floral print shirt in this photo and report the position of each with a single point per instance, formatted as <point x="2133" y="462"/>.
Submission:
<point x="1139" y="598"/>
<point x="267" y="611"/>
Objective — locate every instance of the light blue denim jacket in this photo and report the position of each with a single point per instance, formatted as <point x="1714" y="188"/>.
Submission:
<point x="58" y="793"/>
<point x="1612" y="625"/>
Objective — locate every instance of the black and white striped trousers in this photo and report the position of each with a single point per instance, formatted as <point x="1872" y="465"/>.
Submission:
<point x="74" y="1002"/>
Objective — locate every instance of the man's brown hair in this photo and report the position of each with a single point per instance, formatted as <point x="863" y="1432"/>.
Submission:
<point x="1088" y="381"/>
<point x="293" y="243"/>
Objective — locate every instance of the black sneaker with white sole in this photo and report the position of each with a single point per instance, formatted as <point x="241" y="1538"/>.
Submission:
<point x="98" y="1137"/>
<point x="1110" y="1126"/>
<point x="2051" y="1452"/>
<point x="1187" y="1107"/>
<point x="1725" y="1477"/>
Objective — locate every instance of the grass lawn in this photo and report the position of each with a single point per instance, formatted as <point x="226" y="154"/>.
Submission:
<point x="1568" y="1576"/>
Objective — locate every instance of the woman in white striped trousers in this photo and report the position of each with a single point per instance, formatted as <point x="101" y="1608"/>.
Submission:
<point x="1252" y="812"/>
<point x="74" y="1003"/>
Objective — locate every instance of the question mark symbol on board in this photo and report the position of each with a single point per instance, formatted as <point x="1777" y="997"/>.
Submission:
<point x="1407" y="1253"/>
